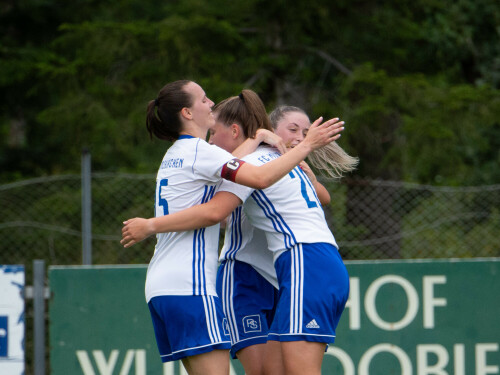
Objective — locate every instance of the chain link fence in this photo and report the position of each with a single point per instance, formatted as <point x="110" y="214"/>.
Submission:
<point x="41" y="219"/>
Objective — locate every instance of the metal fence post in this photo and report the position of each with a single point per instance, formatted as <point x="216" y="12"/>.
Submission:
<point x="39" y="316"/>
<point x="86" y="208"/>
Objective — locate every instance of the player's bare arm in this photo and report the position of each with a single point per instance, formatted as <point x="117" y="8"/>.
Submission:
<point x="321" y="191"/>
<point x="262" y="135"/>
<point x="319" y="135"/>
<point x="203" y="215"/>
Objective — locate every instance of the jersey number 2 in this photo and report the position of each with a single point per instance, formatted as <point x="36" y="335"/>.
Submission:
<point x="303" y="190"/>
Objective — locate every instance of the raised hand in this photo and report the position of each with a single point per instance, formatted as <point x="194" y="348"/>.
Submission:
<point x="320" y="134"/>
<point x="308" y="171"/>
<point x="271" y="139"/>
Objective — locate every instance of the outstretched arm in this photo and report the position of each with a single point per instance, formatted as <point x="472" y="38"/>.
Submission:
<point x="199" y="216"/>
<point x="261" y="177"/>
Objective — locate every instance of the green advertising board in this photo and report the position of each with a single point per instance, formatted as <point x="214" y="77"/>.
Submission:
<point x="435" y="317"/>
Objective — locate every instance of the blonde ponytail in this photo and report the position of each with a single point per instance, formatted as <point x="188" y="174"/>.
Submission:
<point x="332" y="160"/>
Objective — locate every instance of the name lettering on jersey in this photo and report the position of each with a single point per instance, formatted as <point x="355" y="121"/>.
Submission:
<point x="268" y="157"/>
<point x="172" y="163"/>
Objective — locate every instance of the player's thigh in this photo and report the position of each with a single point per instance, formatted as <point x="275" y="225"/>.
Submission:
<point x="262" y="359"/>
<point x="273" y="359"/>
<point x="252" y="359"/>
<point x="215" y="362"/>
<point x="303" y="357"/>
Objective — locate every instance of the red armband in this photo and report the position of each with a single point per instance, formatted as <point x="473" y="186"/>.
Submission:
<point x="230" y="169"/>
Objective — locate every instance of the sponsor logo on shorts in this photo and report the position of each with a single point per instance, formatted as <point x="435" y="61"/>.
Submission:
<point x="225" y="326"/>
<point x="312" y="324"/>
<point x="251" y="323"/>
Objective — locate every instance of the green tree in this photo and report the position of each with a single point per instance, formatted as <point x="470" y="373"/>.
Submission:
<point x="80" y="75"/>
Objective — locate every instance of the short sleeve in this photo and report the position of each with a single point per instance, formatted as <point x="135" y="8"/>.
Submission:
<point x="209" y="160"/>
<point x="241" y="191"/>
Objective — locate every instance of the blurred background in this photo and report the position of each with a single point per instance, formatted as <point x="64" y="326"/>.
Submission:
<point x="417" y="83"/>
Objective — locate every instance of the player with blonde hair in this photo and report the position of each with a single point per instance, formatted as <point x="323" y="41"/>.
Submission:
<point x="313" y="281"/>
<point x="180" y="282"/>
<point x="292" y="123"/>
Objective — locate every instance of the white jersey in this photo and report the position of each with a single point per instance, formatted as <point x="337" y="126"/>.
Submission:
<point x="247" y="244"/>
<point x="289" y="211"/>
<point x="185" y="263"/>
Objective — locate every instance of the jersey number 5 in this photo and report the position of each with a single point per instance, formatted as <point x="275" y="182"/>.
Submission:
<point x="163" y="202"/>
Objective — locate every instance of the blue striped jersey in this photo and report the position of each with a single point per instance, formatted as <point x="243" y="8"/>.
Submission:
<point x="288" y="212"/>
<point x="185" y="263"/>
<point x="247" y="244"/>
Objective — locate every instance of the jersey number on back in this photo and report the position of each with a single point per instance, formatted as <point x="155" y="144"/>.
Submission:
<point x="163" y="202"/>
<point x="303" y="190"/>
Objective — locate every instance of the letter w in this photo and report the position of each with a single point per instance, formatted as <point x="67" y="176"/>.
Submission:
<point x="106" y="367"/>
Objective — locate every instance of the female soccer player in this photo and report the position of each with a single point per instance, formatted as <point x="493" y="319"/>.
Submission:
<point x="246" y="280"/>
<point x="180" y="282"/>
<point x="313" y="282"/>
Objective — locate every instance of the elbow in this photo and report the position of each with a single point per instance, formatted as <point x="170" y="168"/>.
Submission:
<point x="214" y="217"/>
<point x="263" y="183"/>
<point x="325" y="201"/>
<point x="255" y="177"/>
<point x="255" y="181"/>
<point x="324" y="197"/>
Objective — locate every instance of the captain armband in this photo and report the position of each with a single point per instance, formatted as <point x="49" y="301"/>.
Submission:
<point x="230" y="169"/>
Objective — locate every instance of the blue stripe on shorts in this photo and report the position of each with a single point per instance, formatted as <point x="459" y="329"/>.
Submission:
<point x="188" y="325"/>
<point x="249" y="302"/>
<point x="314" y="286"/>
